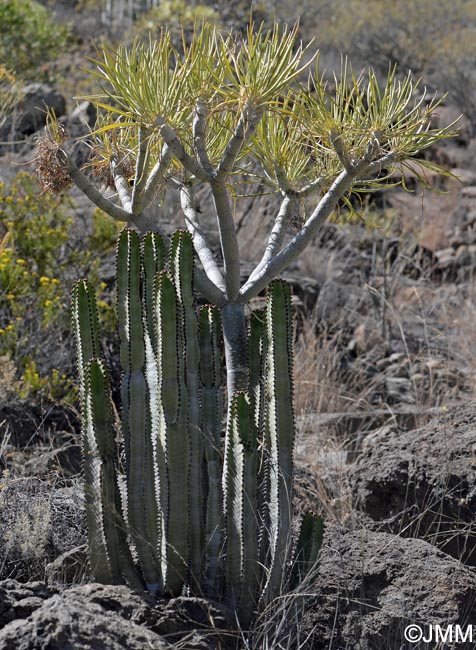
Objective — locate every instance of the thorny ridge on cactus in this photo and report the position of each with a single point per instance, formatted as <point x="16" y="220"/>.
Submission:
<point x="191" y="515"/>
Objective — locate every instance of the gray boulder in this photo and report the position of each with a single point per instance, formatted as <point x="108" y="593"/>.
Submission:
<point x="31" y="110"/>
<point x="111" y="617"/>
<point x="422" y="483"/>
<point x="371" y="586"/>
<point x="18" y="600"/>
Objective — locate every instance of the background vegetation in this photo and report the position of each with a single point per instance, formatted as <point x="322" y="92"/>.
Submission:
<point x="30" y="38"/>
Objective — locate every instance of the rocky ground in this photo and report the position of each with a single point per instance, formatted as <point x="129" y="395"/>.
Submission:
<point x="386" y="446"/>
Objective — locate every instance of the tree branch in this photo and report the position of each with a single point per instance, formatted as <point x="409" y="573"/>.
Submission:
<point x="313" y="186"/>
<point x="381" y="163"/>
<point x="285" y="186"/>
<point x="336" y="140"/>
<point x="228" y="239"/>
<point x="156" y="175"/>
<point x="283" y="182"/>
<point x="121" y="183"/>
<point x="178" y="150"/>
<point x="303" y="238"/>
<point x="140" y="177"/>
<point x="200" y="242"/>
<point x="247" y="124"/>
<point x="208" y="289"/>
<point x="89" y="189"/>
<point x="199" y="136"/>
<point x="276" y="236"/>
<point x="202" y="282"/>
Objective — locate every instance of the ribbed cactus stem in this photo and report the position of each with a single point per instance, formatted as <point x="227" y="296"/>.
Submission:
<point x="153" y="261"/>
<point x="181" y="269"/>
<point x="111" y="559"/>
<point x="110" y="556"/>
<point x="250" y="572"/>
<point x="143" y="500"/>
<point x="233" y="491"/>
<point x="279" y="431"/>
<point x="94" y="475"/>
<point x="153" y="258"/>
<point x="241" y="519"/>
<point x="173" y="434"/>
<point x="257" y="345"/>
<point x="307" y="548"/>
<point x="85" y="327"/>
<point x="211" y="419"/>
<point x="257" y="353"/>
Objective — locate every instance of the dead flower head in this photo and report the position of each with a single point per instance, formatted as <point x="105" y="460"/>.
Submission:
<point x="54" y="178"/>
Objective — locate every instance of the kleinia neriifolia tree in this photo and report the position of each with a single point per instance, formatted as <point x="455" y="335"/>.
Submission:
<point x="222" y="108"/>
<point x="232" y="106"/>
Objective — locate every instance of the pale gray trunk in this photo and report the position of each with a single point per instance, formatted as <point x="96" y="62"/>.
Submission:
<point x="236" y="347"/>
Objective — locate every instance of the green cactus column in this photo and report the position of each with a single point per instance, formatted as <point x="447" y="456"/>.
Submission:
<point x="174" y="435"/>
<point x="278" y="437"/>
<point x="143" y="500"/>
<point x="258" y="345"/>
<point x="240" y="479"/>
<point x="109" y="553"/>
<point x="153" y="261"/>
<point x="181" y="269"/>
<point x="307" y="548"/>
<point x="101" y="457"/>
<point x="211" y="424"/>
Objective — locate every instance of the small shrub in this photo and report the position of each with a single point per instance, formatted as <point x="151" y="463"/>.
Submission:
<point x="29" y="38"/>
<point x="39" y="261"/>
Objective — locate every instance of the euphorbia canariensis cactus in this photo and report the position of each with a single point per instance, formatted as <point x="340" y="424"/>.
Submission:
<point x="171" y="503"/>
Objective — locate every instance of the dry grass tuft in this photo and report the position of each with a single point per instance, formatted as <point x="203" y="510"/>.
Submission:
<point x="39" y="520"/>
<point x="9" y="386"/>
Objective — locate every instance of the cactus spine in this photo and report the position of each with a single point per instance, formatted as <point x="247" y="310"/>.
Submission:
<point x="195" y="512"/>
